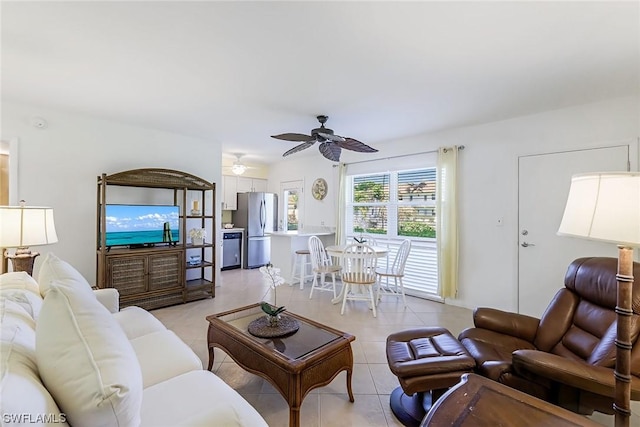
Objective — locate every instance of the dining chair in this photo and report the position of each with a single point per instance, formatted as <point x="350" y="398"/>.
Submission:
<point x="359" y="274"/>
<point x="370" y="240"/>
<point x="396" y="271"/>
<point x="321" y="265"/>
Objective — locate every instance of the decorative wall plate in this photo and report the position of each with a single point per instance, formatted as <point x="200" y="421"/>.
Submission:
<point x="319" y="189"/>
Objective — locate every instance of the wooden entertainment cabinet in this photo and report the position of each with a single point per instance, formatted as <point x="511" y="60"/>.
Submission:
<point x="154" y="276"/>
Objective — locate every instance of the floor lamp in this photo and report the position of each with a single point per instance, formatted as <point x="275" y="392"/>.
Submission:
<point x="23" y="226"/>
<point x="606" y="207"/>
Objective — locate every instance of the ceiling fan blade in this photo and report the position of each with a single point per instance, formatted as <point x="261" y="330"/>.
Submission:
<point x="330" y="150"/>
<point x="299" y="148"/>
<point x="355" y="145"/>
<point x="331" y="137"/>
<point x="297" y="137"/>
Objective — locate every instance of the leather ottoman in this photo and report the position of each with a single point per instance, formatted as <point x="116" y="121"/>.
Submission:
<point x="427" y="361"/>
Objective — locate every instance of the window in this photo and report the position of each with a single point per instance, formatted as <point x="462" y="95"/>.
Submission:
<point x="370" y="199"/>
<point x="291" y="205"/>
<point x="292" y="209"/>
<point x="392" y="206"/>
<point x="417" y="203"/>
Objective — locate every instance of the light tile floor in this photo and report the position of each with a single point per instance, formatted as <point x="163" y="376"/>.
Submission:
<point x="326" y="406"/>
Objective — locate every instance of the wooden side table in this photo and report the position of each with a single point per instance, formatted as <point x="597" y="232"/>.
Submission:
<point x="477" y="401"/>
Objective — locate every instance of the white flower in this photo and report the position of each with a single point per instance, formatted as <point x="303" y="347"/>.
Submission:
<point x="197" y="233"/>
<point x="271" y="276"/>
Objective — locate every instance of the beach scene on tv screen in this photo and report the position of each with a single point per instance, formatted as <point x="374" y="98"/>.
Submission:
<point x="136" y="225"/>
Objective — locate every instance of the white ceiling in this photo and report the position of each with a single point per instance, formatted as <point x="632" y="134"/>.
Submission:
<point x="236" y="72"/>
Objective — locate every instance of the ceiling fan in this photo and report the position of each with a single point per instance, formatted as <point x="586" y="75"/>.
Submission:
<point x="331" y="145"/>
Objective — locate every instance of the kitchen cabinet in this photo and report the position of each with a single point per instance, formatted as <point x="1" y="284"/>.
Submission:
<point x="229" y="192"/>
<point x="249" y="185"/>
<point x="232" y="185"/>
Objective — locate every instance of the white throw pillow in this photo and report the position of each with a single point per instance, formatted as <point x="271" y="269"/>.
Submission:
<point x="86" y="361"/>
<point x="53" y="268"/>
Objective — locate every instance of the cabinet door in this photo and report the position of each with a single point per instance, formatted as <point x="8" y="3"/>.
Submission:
<point x="260" y="185"/>
<point x="165" y="270"/>
<point x="127" y="274"/>
<point x="229" y="192"/>
<point x="245" y="185"/>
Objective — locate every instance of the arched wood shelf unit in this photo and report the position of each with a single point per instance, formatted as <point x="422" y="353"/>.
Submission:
<point x="160" y="275"/>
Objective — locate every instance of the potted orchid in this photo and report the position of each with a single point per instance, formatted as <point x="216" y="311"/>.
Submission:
<point x="362" y="225"/>
<point x="271" y="277"/>
<point x="197" y="236"/>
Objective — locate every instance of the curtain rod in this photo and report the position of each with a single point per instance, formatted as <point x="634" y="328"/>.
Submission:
<point x="460" y="147"/>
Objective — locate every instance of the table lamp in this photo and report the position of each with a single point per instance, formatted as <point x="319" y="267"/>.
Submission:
<point x="606" y="207"/>
<point x="23" y="226"/>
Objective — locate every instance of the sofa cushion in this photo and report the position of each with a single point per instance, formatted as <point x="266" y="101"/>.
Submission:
<point x="177" y="358"/>
<point x="204" y="400"/>
<point x="55" y="269"/>
<point x="22" y="394"/>
<point x="136" y="322"/>
<point x="18" y="280"/>
<point x="86" y="361"/>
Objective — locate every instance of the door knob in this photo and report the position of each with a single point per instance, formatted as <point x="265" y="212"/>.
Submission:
<point x="526" y="244"/>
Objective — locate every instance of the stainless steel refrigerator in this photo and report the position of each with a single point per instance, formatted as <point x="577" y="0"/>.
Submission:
<point x="257" y="213"/>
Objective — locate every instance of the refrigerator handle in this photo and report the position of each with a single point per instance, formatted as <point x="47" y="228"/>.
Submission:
<point x="262" y="215"/>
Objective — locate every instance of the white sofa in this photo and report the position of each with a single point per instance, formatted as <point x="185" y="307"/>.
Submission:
<point x="68" y="356"/>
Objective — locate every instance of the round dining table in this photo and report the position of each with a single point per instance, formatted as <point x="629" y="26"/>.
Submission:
<point x="337" y="250"/>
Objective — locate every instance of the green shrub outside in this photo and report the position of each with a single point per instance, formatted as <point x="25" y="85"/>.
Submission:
<point x="409" y="229"/>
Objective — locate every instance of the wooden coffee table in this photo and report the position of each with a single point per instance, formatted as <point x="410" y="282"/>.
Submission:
<point x="312" y="357"/>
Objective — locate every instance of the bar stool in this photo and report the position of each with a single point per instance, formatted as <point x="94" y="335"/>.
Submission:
<point x="302" y="259"/>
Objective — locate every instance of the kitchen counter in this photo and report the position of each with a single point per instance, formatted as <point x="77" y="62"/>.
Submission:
<point x="284" y="245"/>
<point x="301" y="233"/>
<point x="232" y="230"/>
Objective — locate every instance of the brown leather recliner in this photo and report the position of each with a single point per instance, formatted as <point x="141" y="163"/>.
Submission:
<point x="568" y="356"/>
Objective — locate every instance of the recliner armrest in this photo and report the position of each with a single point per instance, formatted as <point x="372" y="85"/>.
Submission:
<point x="580" y="375"/>
<point x="513" y="324"/>
<point x="109" y="297"/>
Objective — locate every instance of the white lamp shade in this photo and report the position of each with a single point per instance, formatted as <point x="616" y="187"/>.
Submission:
<point x="23" y="226"/>
<point x="604" y="206"/>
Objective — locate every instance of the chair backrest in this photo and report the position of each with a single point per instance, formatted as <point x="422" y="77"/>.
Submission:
<point x="319" y="257"/>
<point x="580" y="322"/>
<point x="401" y="257"/>
<point x="370" y="240"/>
<point x="359" y="264"/>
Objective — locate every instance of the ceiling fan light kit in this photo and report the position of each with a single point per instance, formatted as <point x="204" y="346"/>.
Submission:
<point x="238" y="168"/>
<point x="331" y="145"/>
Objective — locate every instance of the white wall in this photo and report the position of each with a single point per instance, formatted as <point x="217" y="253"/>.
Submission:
<point x="58" y="167"/>
<point x="488" y="179"/>
<point x="308" y="167"/>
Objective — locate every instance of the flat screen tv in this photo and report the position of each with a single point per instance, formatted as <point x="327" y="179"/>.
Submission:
<point x="141" y="225"/>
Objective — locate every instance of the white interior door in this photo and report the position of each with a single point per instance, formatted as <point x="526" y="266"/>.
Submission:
<point x="543" y="186"/>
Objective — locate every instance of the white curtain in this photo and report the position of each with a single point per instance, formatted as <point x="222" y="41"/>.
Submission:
<point x="447" y="222"/>
<point x="342" y="203"/>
